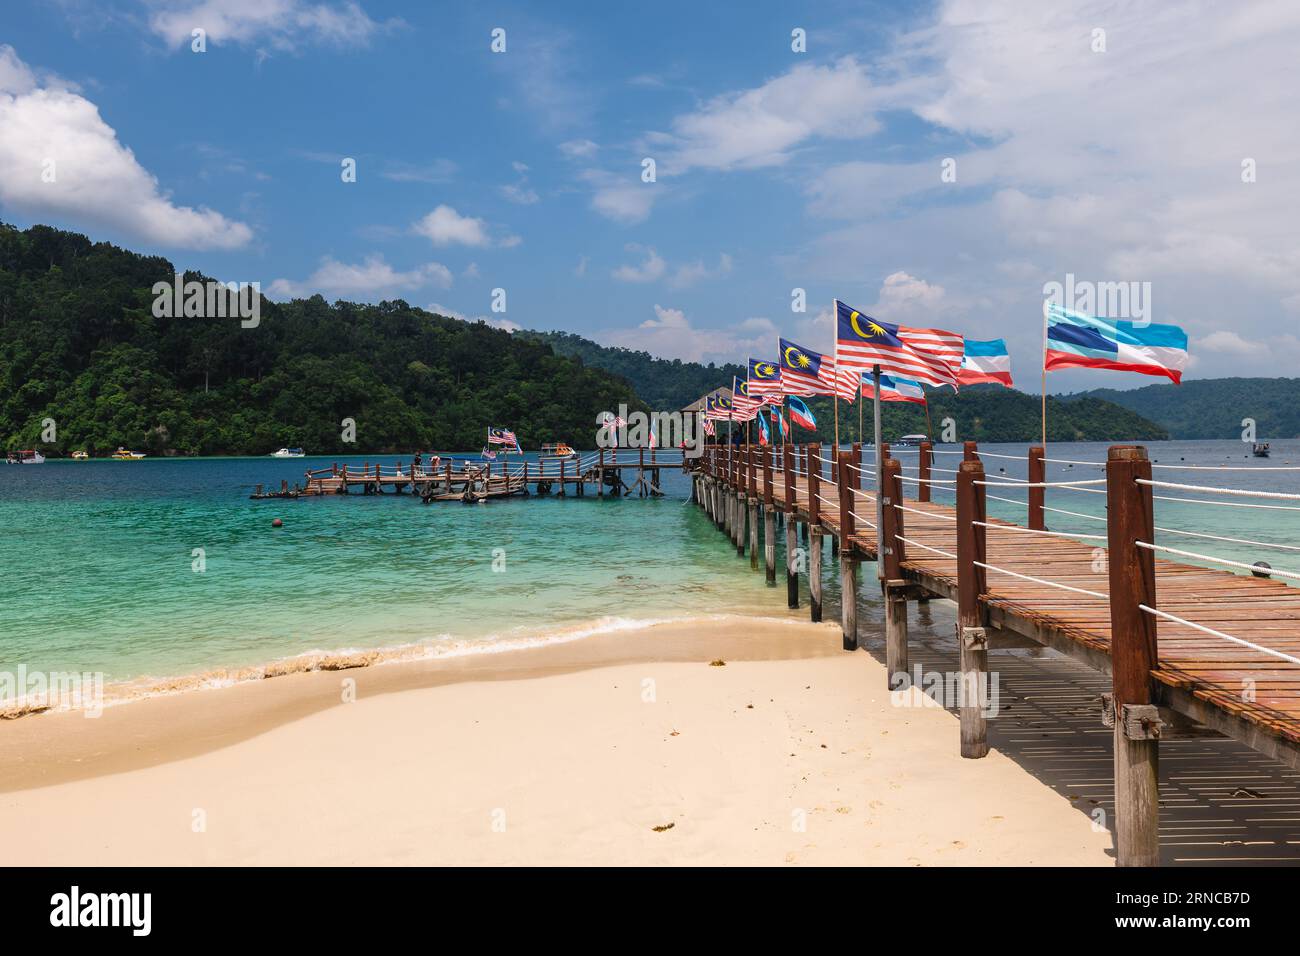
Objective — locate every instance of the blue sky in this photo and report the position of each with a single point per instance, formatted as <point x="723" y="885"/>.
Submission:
<point x="776" y="169"/>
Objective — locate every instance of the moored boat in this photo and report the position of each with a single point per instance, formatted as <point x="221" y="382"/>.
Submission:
<point x="80" y="456"/>
<point x="27" y="456"/>
<point x="1260" y="449"/>
<point x="910" y="441"/>
<point x="557" y="451"/>
<point x="289" y="453"/>
<point x="123" y="454"/>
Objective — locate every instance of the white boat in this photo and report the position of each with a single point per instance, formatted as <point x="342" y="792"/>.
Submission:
<point x="26" y="457"/>
<point x="910" y="441"/>
<point x="289" y="453"/>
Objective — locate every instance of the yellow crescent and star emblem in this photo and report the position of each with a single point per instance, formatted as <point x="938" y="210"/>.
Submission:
<point x="763" y="370"/>
<point x="873" y="327"/>
<point x="793" y="362"/>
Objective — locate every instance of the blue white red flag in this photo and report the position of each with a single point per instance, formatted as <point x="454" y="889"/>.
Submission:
<point x="1075" y="340"/>
<point x="985" y="362"/>
<point x="894" y="390"/>
<point x="801" y="414"/>
<point x="764" y="378"/>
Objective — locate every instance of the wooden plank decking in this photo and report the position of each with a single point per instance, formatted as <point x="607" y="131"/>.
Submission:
<point x="1211" y="683"/>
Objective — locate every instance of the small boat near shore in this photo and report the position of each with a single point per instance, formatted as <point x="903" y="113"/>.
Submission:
<point x="80" y="456"/>
<point x="557" y="451"/>
<point x="910" y="441"/>
<point x="289" y="453"/>
<point x="27" y="456"/>
<point x="1260" y="449"/>
<point x="123" y="454"/>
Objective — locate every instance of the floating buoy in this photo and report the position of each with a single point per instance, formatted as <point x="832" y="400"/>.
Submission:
<point x="277" y="523"/>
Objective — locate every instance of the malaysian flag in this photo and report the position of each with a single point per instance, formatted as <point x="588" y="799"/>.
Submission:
<point x="929" y="356"/>
<point x="764" y="378"/>
<point x="805" y="372"/>
<point x="718" y="407"/>
<point x="502" y="436"/>
<point x="708" y="428"/>
<point x="742" y="401"/>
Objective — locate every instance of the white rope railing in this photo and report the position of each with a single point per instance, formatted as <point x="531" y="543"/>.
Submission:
<point x="1231" y="467"/>
<point x="1244" y="492"/>
<point x="1050" y="534"/>
<point x="1044" y="484"/>
<point x="1054" y="584"/>
<point x="1218" y="537"/>
<point x="1147" y="545"/>
<point x="1062" y="511"/>
<point x="925" y="547"/>
<point x="926" y="514"/>
<point x="1227" y="637"/>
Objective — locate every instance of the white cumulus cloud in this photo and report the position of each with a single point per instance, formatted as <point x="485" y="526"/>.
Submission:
<point x="445" y="226"/>
<point x="372" y="280"/>
<point x="60" y="161"/>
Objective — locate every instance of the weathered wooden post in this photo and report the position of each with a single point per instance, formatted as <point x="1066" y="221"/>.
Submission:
<point x="738" y="495"/>
<point x="753" y="509"/>
<point x="814" y="532"/>
<point x="848" y="563"/>
<point x="1037" y="496"/>
<point x="971" y="583"/>
<point x="1133" y="655"/>
<point x="970" y="451"/>
<point x="923" y="470"/>
<point x="791" y="532"/>
<point x="769" y="522"/>
<point x="562" y="491"/>
<point x="893" y="584"/>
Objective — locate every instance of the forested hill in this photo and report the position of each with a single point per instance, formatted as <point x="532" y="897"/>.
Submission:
<point x="982" y="413"/>
<point x="663" y="384"/>
<point x="1215" y="407"/>
<point x="79" y="344"/>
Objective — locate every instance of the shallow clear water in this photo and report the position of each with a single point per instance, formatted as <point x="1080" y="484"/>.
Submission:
<point x="97" y="559"/>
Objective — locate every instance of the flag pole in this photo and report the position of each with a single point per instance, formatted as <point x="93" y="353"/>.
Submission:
<point x="929" y="431"/>
<point x="1044" y="394"/>
<point x="880" y="482"/>
<point x="837" y="422"/>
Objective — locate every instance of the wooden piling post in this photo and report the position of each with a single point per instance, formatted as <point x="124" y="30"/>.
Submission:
<point x="1037" y="496"/>
<point x="848" y="563"/>
<point x="752" y="496"/>
<point x="923" y="470"/>
<point x="769" y="521"/>
<point x="893" y="584"/>
<point x="814" y="533"/>
<point x="970" y="451"/>
<point x="791" y="533"/>
<point x="971" y="583"/>
<point x="1133" y="655"/>
<point x="742" y="481"/>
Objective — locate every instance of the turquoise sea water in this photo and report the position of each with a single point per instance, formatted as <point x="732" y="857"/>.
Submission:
<point x="97" y="559"/>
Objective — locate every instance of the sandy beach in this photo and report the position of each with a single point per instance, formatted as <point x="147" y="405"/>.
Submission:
<point x="628" y="748"/>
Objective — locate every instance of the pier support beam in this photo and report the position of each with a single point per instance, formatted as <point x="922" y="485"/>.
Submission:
<point x="896" y="638"/>
<point x="753" y="534"/>
<point x="791" y="562"/>
<point x="1133" y="655"/>
<point x="849" y="478"/>
<point x="815" y="575"/>
<point x="740" y="524"/>
<point x="849" y="600"/>
<point x="971" y="583"/>
<point x="769" y="545"/>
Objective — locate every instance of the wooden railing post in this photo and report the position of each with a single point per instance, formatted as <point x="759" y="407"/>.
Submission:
<point x="970" y="451"/>
<point x="769" y="521"/>
<point x="815" y="532"/>
<point x="1133" y="655"/>
<point x="752" y="506"/>
<point x="792" y="556"/>
<point x="971" y="584"/>
<point x="1037" y="496"/>
<point x="848" y="563"/>
<point x="923" y="470"/>
<point x="738" y="495"/>
<point x="893" y="585"/>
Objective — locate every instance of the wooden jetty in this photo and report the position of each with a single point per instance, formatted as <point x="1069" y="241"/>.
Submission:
<point x="615" y="472"/>
<point x="1191" y="651"/>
